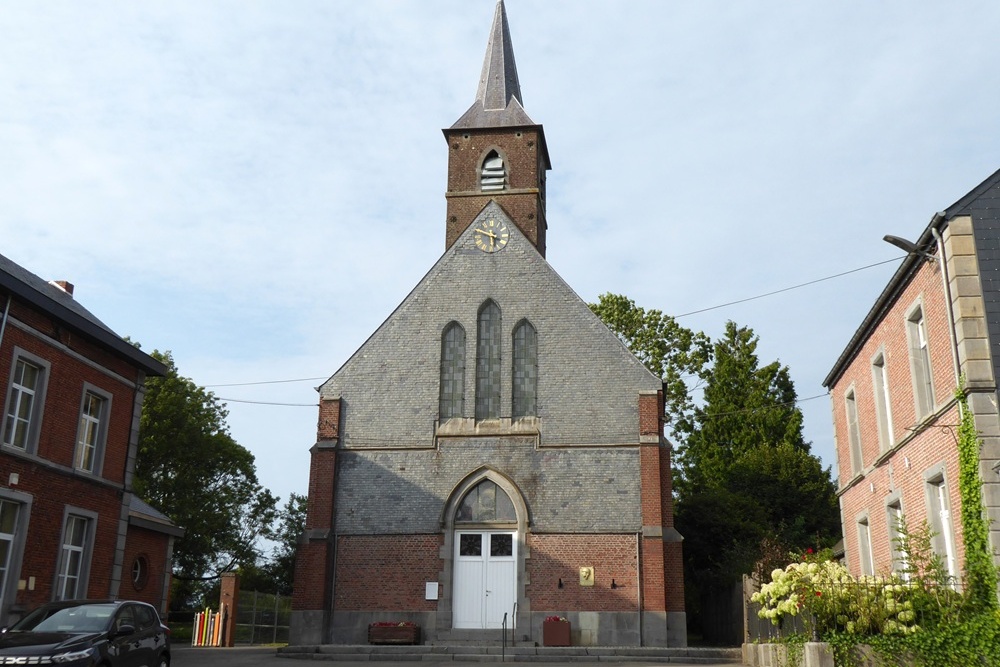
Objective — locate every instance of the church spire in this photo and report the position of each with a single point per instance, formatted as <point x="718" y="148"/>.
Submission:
<point x="495" y="152"/>
<point x="498" y="82"/>
<point x="498" y="100"/>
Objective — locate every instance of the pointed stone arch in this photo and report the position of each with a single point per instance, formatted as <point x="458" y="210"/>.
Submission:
<point x="450" y="528"/>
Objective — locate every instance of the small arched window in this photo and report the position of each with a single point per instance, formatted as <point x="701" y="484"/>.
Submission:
<point x="452" y="399"/>
<point x="494" y="174"/>
<point x="488" y="342"/>
<point x="486" y="503"/>
<point x="525" y="370"/>
<point x="140" y="572"/>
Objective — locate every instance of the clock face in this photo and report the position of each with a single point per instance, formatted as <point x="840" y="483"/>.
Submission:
<point x="491" y="235"/>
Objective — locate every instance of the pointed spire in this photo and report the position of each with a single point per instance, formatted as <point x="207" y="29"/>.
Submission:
<point x="498" y="100"/>
<point x="498" y="82"/>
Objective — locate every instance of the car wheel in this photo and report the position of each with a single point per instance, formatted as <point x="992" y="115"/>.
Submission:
<point x="164" y="661"/>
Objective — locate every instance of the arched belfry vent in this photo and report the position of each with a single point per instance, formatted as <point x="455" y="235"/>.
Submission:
<point x="486" y="503"/>
<point x="494" y="173"/>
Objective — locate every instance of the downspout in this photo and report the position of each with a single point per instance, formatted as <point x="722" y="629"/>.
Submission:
<point x="638" y="581"/>
<point x="3" y="323"/>
<point x="946" y="283"/>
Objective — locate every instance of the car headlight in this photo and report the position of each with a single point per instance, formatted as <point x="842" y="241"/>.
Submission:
<point x="71" y="656"/>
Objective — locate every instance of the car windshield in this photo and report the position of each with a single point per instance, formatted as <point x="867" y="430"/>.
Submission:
<point x="83" y="618"/>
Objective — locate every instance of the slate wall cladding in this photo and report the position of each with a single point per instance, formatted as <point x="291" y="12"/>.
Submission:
<point x="588" y="381"/>
<point x="593" y="490"/>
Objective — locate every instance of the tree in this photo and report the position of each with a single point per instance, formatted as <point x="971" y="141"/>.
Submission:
<point x="746" y="485"/>
<point x="277" y="573"/>
<point x="669" y="350"/>
<point x="745" y="406"/>
<point x="190" y="468"/>
<point x="746" y="453"/>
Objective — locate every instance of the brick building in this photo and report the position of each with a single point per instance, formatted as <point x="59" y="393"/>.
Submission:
<point x="493" y="454"/>
<point x="895" y="413"/>
<point x="69" y="524"/>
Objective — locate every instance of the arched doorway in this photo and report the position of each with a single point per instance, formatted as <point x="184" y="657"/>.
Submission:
<point x="487" y="529"/>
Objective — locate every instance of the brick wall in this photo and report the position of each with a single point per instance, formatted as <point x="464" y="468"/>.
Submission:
<point x="525" y="166"/>
<point x="555" y="557"/>
<point x="896" y="470"/>
<point x="151" y="546"/>
<point x="386" y="572"/>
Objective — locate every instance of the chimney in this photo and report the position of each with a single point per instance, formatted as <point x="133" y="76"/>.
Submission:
<point x="64" y="285"/>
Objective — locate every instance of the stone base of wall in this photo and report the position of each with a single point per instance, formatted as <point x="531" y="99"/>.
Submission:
<point x="814" y="654"/>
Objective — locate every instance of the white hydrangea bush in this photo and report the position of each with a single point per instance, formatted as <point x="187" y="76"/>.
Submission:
<point x="829" y="598"/>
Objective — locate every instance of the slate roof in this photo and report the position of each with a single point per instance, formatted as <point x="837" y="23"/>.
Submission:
<point x="144" y="515"/>
<point x="56" y="303"/>
<point x="498" y="100"/>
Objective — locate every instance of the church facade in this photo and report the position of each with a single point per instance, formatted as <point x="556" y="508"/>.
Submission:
<point x="493" y="454"/>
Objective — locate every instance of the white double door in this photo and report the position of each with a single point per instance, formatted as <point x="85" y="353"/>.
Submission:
<point x="485" y="579"/>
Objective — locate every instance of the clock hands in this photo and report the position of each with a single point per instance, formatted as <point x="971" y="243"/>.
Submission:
<point x="490" y="234"/>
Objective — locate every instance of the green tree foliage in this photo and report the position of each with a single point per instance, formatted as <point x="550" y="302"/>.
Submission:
<point x="671" y="351"/>
<point x="746" y="452"/>
<point x="277" y="573"/>
<point x="189" y="467"/>
<point x="745" y="406"/>
<point x="748" y="490"/>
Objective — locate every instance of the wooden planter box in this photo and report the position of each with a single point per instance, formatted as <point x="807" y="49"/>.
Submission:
<point x="393" y="634"/>
<point x="555" y="633"/>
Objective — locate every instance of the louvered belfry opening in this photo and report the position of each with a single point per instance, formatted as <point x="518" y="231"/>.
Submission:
<point x="494" y="175"/>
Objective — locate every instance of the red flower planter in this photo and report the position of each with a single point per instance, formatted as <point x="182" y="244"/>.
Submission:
<point x="393" y="634"/>
<point x="555" y="633"/>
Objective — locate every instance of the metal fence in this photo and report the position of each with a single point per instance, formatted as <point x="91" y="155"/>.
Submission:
<point x="262" y="618"/>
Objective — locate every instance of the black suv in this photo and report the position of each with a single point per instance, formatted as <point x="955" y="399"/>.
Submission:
<point x="116" y="633"/>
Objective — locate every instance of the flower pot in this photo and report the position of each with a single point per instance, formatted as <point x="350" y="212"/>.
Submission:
<point x="393" y="634"/>
<point x="555" y="633"/>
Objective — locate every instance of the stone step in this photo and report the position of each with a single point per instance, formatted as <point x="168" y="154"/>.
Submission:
<point x="466" y="653"/>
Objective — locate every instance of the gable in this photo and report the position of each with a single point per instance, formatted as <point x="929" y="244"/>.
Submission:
<point x="588" y="382"/>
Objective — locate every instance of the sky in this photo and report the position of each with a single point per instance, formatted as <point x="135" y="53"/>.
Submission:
<point x="255" y="186"/>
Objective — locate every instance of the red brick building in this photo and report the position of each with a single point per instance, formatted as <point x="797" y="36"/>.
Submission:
<point x="70" y="526"/>
<point x="895" y="412"/>
<point x="493" y="454"/>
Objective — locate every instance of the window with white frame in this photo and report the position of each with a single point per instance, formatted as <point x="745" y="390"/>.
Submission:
<point x="920" y="362"/>
<point x="452" y="391"/>
<point x="897" y="531"/>
<point x="883" y="405"/>
<point x="91" y="432"/>
<point x="9" y="512"/>
<point x="853" y="432"/>
<point x="488" y="373"/>
<point x="73" y="557"/>
<point x="865" y="547"/>
<point x="942" y="526"/>
<point x="25" y="398"/>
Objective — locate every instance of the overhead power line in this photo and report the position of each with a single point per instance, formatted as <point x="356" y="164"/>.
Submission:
<point x="693" y="312"/>
<point x="787" y="289"/>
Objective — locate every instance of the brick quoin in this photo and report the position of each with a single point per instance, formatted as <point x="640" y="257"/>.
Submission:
<point x="555" y="557"/>
<point x="310" y="576"/>
<point x="386" y="572"/>
<point x="329" y="419"/>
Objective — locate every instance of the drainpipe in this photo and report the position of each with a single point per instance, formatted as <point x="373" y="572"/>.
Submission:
<point x="946" y="283"/>
<point x="638" y="580"/>
<point x="3" y="323"/>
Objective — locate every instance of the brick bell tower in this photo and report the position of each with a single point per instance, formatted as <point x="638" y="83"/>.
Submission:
<point x="495" y="151"/>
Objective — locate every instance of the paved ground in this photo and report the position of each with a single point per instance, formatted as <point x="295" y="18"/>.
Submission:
<point x="187" y="656"/>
